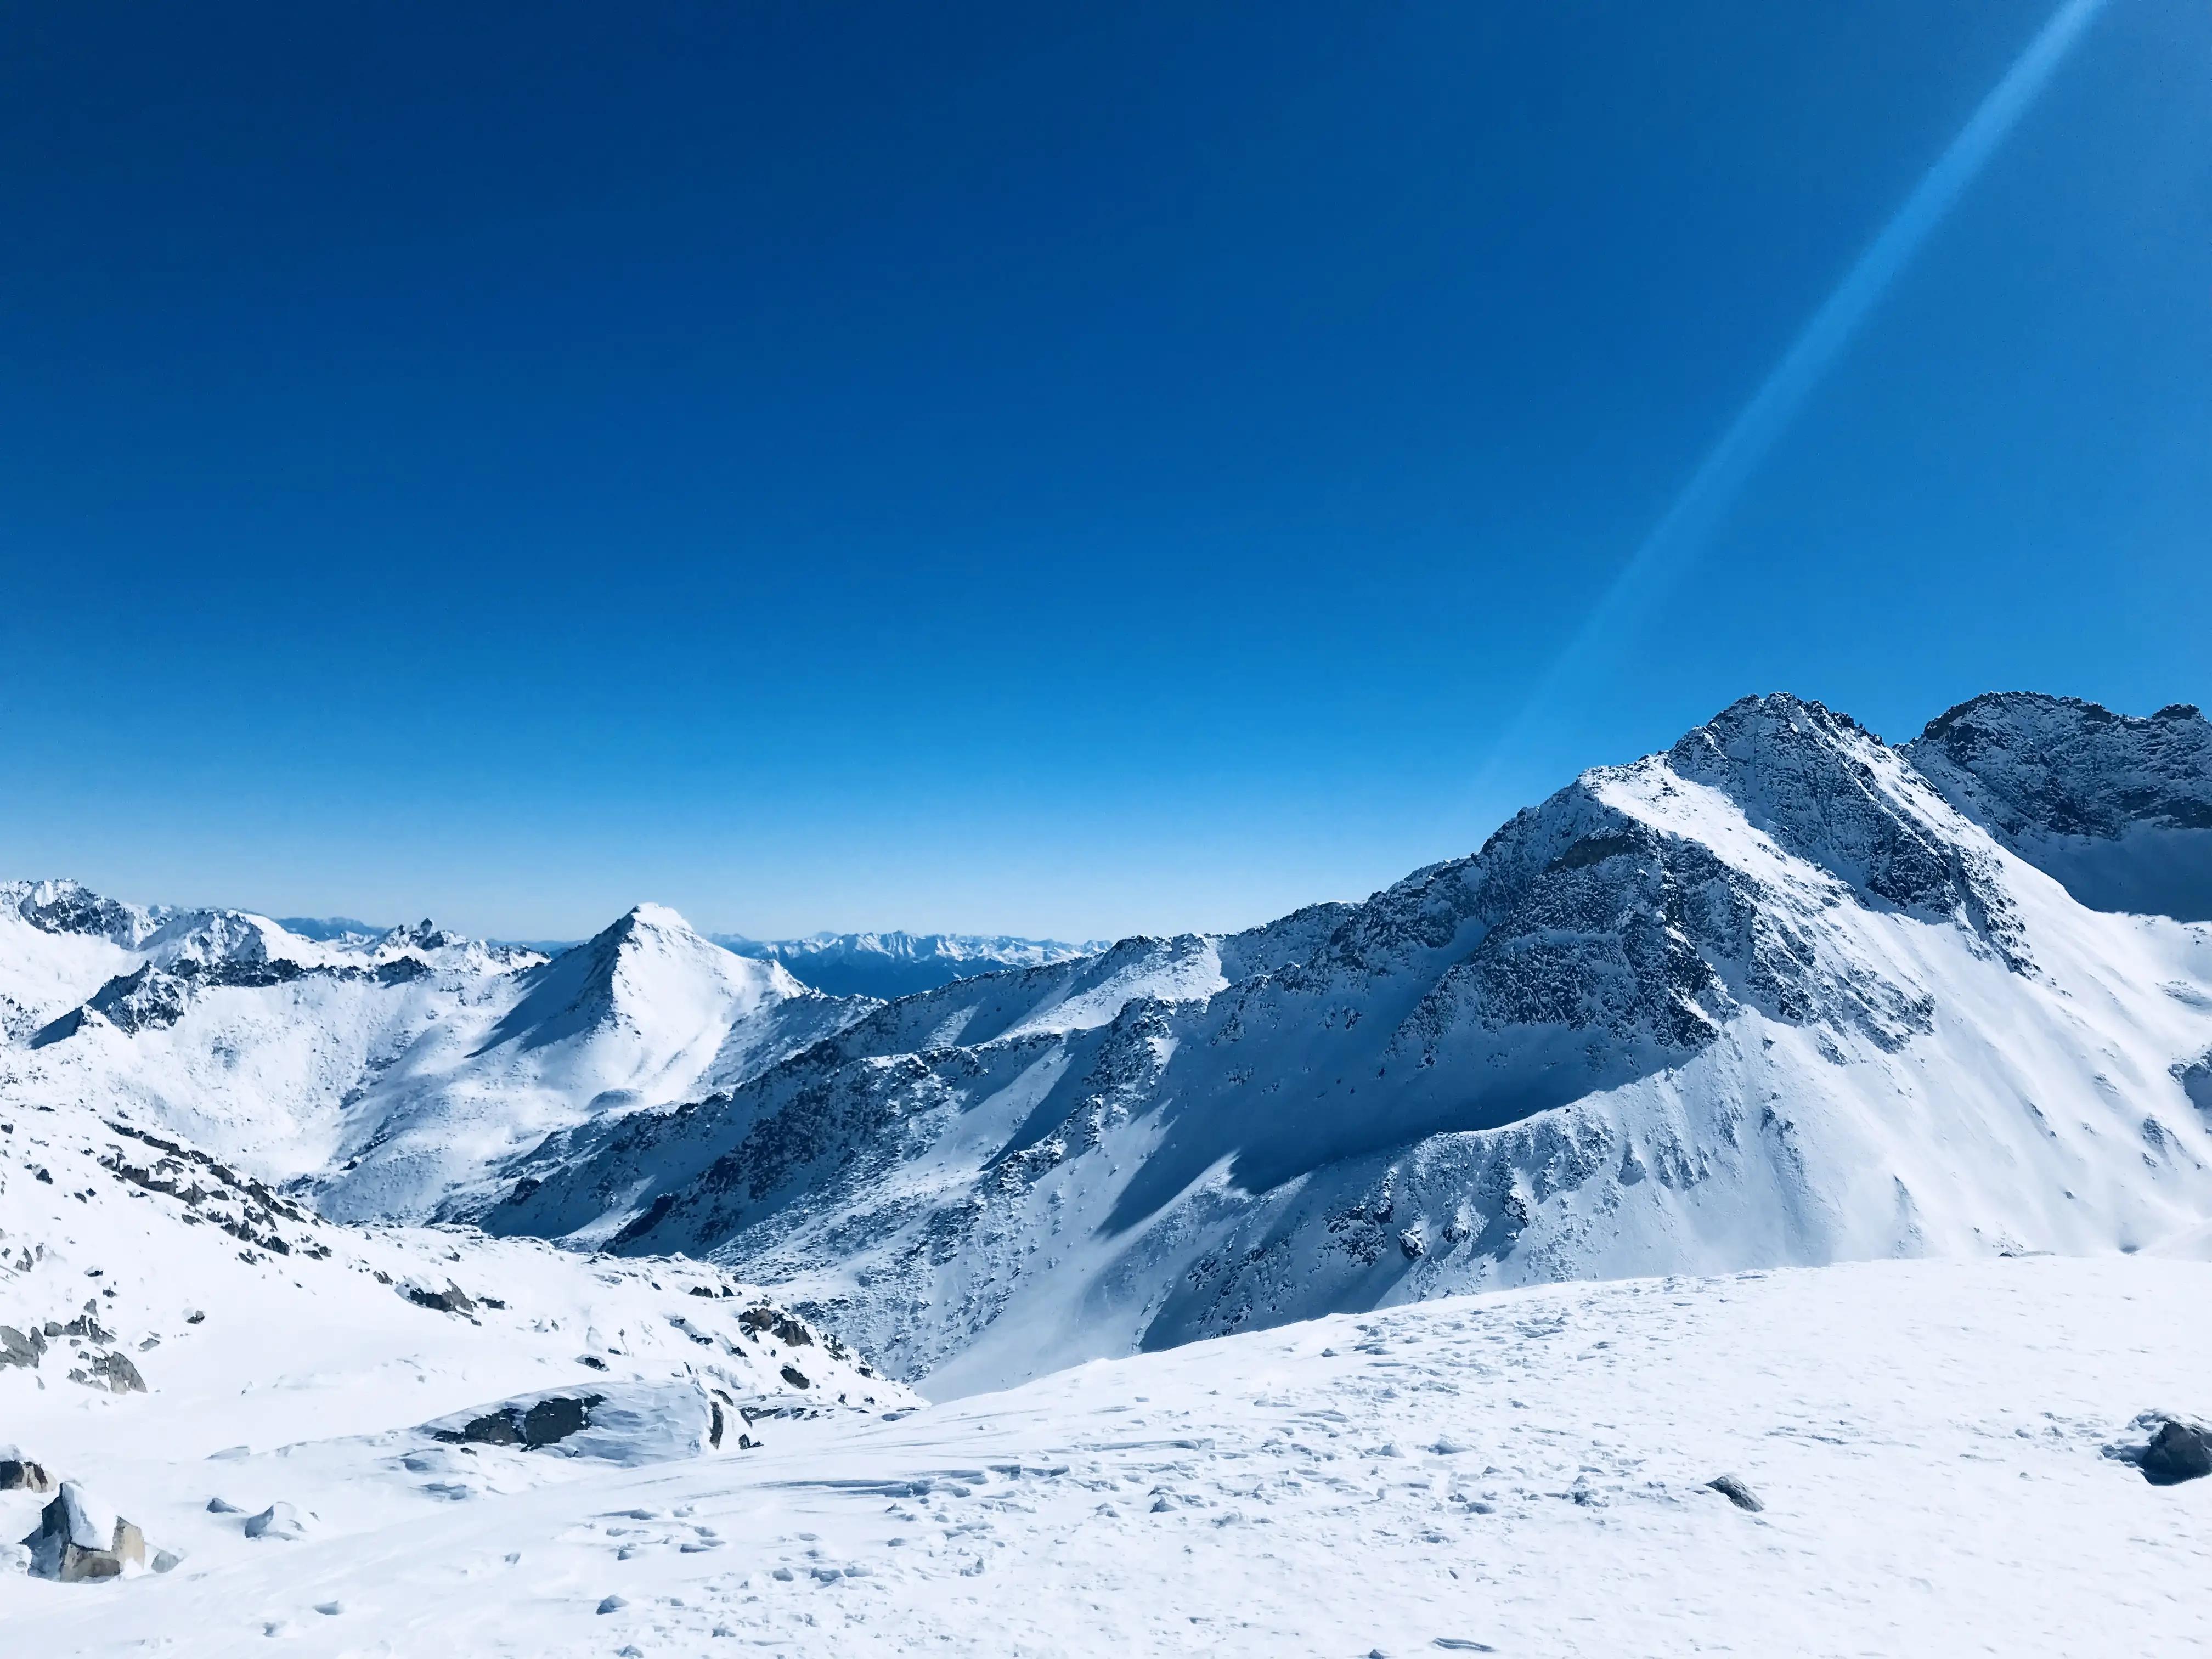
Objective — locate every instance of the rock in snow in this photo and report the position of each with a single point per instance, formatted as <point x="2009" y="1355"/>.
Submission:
<point x="280" y="1520"/>
<point x="2178" y="1451"/>
<point x="618" y="1423"/>
<point x="1732" y="1488"/>
<point x="22" y="1473"/>
<point x="78" y="1539"/>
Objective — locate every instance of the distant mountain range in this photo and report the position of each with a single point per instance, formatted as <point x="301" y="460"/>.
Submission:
<point x="898" y="964"/>
<point x="893" y="964"/>
<point x="1782" y="993"/>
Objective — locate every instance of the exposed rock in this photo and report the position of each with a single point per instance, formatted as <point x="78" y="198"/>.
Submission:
<point x="2116" y="808"/>
<point x="280" y="1520"/>
<point x="110" y="1371"/>
<point x="2177" y="1452"/>
<point x="631" y="1423"/>
<point x="777" y="1323"/>
<point x="78" y="1539"/>
<point x="24" y="1348"/>
<point x="452" y="1299"/>
<point x="544" y="1420"/>
<point x="19" y="1474"/>
<point x="1732" y="1488"/>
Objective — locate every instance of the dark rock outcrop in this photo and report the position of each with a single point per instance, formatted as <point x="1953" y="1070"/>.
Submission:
<point x="544" y="1420"/>
<point x="2177" y="1452"/>
<point x="1733" y="1488"/>
<point x="22" y="1473"/>
<point x="452" y="1299"/>
<point x="2116" y="808"/>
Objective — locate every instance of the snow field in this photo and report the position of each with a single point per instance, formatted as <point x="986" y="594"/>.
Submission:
<point x="1521" y="1472"/>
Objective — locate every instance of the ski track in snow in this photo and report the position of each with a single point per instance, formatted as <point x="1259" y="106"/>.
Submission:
<point x="1524" y="1470"/>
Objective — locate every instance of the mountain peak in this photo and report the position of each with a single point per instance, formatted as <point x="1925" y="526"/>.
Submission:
<point x="2117" y="807"/>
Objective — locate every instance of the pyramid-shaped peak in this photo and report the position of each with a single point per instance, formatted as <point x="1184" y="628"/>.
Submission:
<point x="657" y="917"/>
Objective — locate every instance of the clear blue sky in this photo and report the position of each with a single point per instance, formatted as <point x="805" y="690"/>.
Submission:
<point x="1062" y="470"/>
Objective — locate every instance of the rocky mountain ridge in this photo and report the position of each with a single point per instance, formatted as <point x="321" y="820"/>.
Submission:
<point x="896" y="964"/>
<point x="374" y="1076"/>
<point x="1769" y="996"/>
<point x="1783" y="993"/>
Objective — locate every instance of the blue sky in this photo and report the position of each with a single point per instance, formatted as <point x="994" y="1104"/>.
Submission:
<point x="1058" y="469"/>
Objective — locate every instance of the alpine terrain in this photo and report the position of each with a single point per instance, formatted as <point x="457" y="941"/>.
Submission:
<point x="1783" y="994"/>
<point x="896" y="964"/>
<point x="1754" y="1202"/>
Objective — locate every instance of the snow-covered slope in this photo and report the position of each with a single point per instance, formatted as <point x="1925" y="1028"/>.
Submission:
<point x="2118" y="809"/>
<point x="898" y="964"/>
<point x="172" y="1331"/>
<point x="1766" y="998"/>
<point x="1525" y="1473"/>
<point x="58" y="944"/>
<point x="379" y="1075"/>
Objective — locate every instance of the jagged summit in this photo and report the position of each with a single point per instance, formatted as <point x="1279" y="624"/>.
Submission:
<point x="65" y="906"/>
<point x="2117" y="807"/>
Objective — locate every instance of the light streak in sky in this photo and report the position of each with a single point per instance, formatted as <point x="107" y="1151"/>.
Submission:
<point x="1673" y="545"/>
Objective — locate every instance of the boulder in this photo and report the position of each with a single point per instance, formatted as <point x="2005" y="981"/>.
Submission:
<point x="279" y="1521"/>
<point x="79" y="1539"/>
<point x="452" y="1299"/>
<point x="19" y="1473"/>
<point x="2177" y="1452"/>
<point x="1732" y="1488"/>
<point x="631" y="1423"/>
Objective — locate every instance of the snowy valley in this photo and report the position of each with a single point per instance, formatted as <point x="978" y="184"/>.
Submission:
<point x="1398" y="1276"/>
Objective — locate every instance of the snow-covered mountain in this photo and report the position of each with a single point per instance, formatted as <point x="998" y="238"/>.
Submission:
<point x="898" y="964"/>
<point x="1781" y="994"/>
<point x="2117" y="809"/>
<point x="1769" y="997"/>
<point x="378" y="1076"/>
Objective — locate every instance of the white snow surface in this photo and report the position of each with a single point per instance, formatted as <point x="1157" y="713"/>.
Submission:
<point x="1521" y="1472"/>
<point x="272" y="1356"/>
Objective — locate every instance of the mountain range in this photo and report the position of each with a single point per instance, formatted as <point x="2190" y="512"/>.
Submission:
<point x="898" y="964"/>
<point x="1781" y="994"/>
